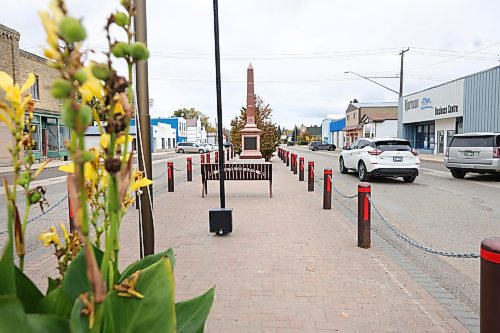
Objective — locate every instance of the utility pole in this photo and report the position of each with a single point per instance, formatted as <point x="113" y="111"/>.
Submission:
<point x="402" y="53"/>
<point x="143" y="130"/>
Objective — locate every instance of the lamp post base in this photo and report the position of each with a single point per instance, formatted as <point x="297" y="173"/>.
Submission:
<point x="220" y="220"/>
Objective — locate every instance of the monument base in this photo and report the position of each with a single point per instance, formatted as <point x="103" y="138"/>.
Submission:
<point x="250" y="155"/>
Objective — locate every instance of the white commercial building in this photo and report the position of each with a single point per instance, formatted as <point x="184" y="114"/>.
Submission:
<point x="195" y="132"/>
<point x="164" y="137"/>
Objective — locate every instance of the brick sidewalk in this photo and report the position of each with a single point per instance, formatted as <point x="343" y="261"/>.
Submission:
<point x="288" y="266"/>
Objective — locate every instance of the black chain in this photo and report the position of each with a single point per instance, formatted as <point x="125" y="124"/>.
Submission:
<point x="163" y="174"/>
<point x="417" y="244"/>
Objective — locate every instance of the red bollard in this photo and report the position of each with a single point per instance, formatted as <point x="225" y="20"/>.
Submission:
<point x="202" y="158"/>
<point x="287" y="158"/>
<point x="295" y="162"/>
<point x="489" y="286"/>
<point x="208" y="157"/>
<point x="170" y="179"/>
<point x="283" y="156"/>
<point x="216" y="157"/>
<point x="71" y="214"/>
<point x="310" y="176"/>
<point x="327" y="189"/>
<point x="301" y="169"/>
<point x="279" y="152"/>
<point x="364" y="215"/>
<point x="189" y="169"/>
<point x="292" y="158"/>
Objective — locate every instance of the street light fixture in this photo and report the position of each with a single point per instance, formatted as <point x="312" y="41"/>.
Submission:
<point x="379" y="77"/>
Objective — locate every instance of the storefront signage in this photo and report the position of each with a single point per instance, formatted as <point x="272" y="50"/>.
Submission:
<point x="445" y="101"/>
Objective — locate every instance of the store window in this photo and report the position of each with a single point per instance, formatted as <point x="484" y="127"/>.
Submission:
<point x="52" y="134"/>
<point x="425" y="137"/>
<point x="35" y="136"/>
<point x="460" y="125"/>
<point x="63" y="136"/>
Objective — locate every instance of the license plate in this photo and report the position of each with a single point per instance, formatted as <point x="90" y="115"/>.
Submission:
<point x="468" y="153"/>
<point x="397" y="158"/>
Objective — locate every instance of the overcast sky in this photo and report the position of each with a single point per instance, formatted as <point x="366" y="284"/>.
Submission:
<point x="299" y="49"/>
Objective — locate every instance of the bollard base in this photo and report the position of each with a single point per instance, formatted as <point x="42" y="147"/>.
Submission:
<point x="220" y="220"/>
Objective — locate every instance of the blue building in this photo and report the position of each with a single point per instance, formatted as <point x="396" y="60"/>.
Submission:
<point x="332" y="131"/>
<point x="177" y="123"/>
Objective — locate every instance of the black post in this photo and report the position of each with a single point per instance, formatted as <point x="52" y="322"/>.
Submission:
<point x="364" y="215"/>
<point x="144" y="129"/>
<point x="219" y="103"/>
<point x="310" y="176"/>
<point x="227" y="154"/>
<point x="170" y="180"/>
<point x="189" y="168"/>
<point x="327" y="189"/>
<point x="292" y="158"/>
<point x="489" y="288"/>
<point x="301" y="169"/>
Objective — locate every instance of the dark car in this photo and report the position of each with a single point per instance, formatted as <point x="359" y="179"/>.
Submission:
<point x="321" y="145"/>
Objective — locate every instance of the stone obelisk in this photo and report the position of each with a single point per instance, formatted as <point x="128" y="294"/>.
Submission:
<point x="250" y="134"/>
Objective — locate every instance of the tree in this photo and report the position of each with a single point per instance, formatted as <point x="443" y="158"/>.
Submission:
<point x="192" y="113"/>
<point x="268" y="141"/>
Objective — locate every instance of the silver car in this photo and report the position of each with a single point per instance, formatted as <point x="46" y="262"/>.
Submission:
<point x="473" y="152"/>
<point x="191" y="147"/>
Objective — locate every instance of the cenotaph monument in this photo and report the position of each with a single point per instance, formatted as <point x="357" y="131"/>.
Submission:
<point x="250" y="134"/>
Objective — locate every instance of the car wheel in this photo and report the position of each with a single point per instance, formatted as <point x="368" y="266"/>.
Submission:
<point x="362" y="172"/>
<point x="343" y="169"/>
<point x="315" y="149"/>
<point x="331" y="148"/>
<point x="201" y="151"/>
<point x="181" y="151"/>
<point x="460" y="174"/>
<point x="409" y="179"/>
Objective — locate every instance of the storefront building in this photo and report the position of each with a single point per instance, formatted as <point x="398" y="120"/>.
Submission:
<point x="430" y="118"/>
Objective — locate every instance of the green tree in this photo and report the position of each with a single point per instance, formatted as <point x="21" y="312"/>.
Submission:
<point x="192" y="113"/>
<point x="268" y="140"/>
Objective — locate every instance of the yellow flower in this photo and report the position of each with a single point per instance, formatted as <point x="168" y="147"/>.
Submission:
<point x="68" y="168"/>
<point x="51" y="29"/>
<point x="92" y="87"/>
<point x="50" y="237"/>
<point x="140" y="183"/>
<point x="104" y="140"/>
<point x="121" y="139"/>
<point x="65" y="233"/>
<point x="52" y="53"/>
<point x="13" y="91"/>
<point x="119" y="109"/>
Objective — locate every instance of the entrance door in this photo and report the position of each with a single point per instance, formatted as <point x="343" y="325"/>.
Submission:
<point x="44" y="142"/>
<point x="440" y="142"/>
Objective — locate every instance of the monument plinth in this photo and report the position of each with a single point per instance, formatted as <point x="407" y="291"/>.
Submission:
<point x="250" y="134"/>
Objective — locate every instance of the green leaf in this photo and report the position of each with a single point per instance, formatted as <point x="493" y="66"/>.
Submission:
<point x="56" y="302"/>
<point x="52" y="284"/>
<point x="14" y="319"/>
<point x="7" y="271"/>
<point x="27" y="292"/>
<point x="192" y="314"/>
<point x="146" y="262"/>
<point x="154" y="313"/>
<point x="77" y="322"/>
<point x="75" y="280"/>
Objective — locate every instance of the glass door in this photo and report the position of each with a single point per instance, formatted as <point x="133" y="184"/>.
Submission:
<point x="440" y="135"/>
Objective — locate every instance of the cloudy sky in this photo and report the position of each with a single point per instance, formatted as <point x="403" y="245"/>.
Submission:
<point x="299" y="49"/>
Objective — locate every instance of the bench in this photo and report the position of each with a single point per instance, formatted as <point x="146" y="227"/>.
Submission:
<point x="237" y="171"/>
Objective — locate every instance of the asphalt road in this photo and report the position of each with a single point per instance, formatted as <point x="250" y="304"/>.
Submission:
<point x="436" y="210"/>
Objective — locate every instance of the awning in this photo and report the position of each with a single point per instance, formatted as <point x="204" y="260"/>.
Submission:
<point x="352" y="127"/>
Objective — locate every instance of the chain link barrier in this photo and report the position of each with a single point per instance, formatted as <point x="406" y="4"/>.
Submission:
<point x="417" y="244"/>
<point x="163" y="174"/>
<point x="48" y="210"/>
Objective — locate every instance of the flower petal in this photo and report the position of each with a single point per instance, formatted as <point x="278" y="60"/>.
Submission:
<point x="44" y="164"/>
<point x="29" y="82"/>
<point x="140" y="183"/>
<point x="104" y="140"/>
<point x="68" y="168"/>
<point x="5" y="81"/>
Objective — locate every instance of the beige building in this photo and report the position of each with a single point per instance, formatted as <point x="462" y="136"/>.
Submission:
<point x="50" y="133"/>
<point x="356" y="112"/>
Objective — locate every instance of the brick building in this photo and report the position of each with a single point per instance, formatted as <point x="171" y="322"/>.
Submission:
<point x="50" y="133"/>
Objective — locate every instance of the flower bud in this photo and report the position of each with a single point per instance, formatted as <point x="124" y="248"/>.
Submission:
<point x="81" y="76"/>
<point x="35" y="197"/>
<point x="61" y="88"/>
<point x="139" y="51"/>
<point x="100" y="71"/>
<point x="86" y="115"/>
<point x="72" y="30"/>
<point x="86" y="156"/>
<point x="121" y="19"/>
<point x="120" y="50"/>
<point x="68" y="114"/>
<point x="23" y="179"/>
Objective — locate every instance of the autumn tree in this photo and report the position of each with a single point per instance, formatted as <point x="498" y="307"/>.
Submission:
<point x="192" y="113"/>
<point x="268" y="138"/>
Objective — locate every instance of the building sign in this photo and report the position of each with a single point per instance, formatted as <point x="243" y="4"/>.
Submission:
<point x="445" y="101"/>
<point x="182" y="133"/>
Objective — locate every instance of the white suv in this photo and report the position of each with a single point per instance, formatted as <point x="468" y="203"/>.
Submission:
<point x="381" y="157"/>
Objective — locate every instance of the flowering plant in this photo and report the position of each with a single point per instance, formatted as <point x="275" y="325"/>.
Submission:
<point x="90" y="294"/>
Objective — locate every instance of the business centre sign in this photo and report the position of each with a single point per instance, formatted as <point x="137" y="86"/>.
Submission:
<point x="445" y="101"/>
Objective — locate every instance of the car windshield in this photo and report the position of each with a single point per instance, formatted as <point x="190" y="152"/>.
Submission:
<point x="393" y="145"/>
<point x="472" y="141"/>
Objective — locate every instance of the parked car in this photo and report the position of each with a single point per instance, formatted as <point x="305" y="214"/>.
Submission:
<point x="290" y="143"/>
<point x="209" y="146"/>
<point x="473" y="152"/>
<point x="390" y="157"/>
<point x="191" y="147"/>
<point x="321" y="145"/>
